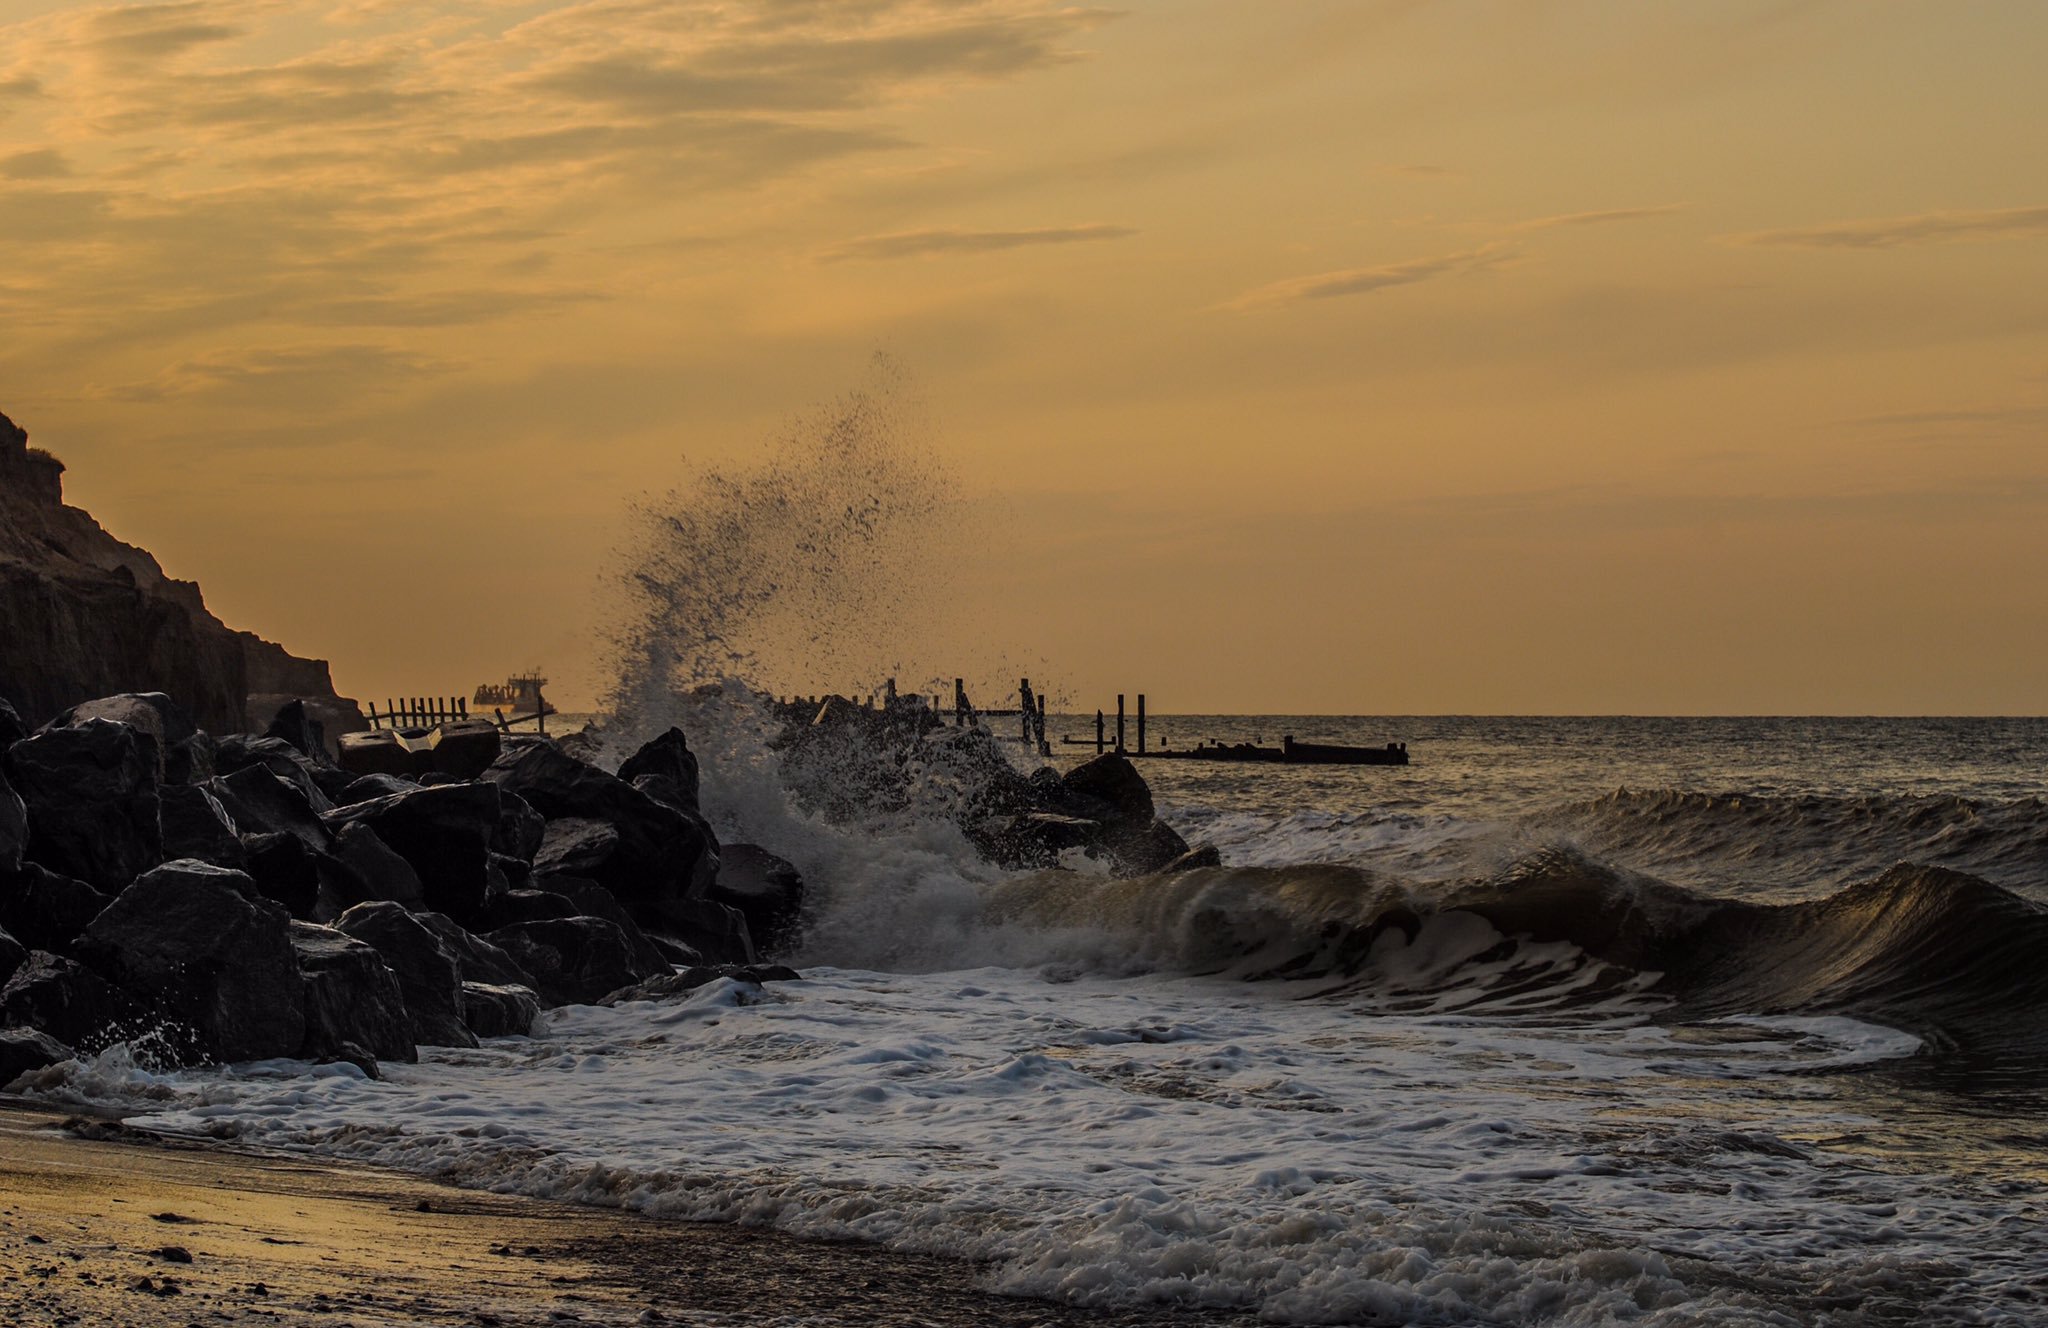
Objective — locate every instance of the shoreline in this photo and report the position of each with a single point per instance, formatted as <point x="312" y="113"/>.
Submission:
<point x="103" y="1223"/>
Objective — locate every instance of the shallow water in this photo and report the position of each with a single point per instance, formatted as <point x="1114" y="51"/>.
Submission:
<point x="1481" y="1040"/>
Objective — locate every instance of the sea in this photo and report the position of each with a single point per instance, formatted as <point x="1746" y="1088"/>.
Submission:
<point x="1568" y="1021"/>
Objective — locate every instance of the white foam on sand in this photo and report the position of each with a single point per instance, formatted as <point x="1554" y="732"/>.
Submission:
<point x="1193" y="1141"/>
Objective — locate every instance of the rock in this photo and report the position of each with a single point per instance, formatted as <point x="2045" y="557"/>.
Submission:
<point x="376" y="752"/>
<point x="239" y="751"/>
<point x="660" y="852"/>
<point x="368" y="788"/>
<point x="286" y="872"/>
<point x="476" y="959"/>
<point x="12" y="730"/>
<point x="1201" y="855"/>
<point x="377" y="872"/>
<point x="594" y="900"/>
<point x="196" y="825"/>
<point x="462" y="749"/>
<point x="427" y="974"/>
<point x="71" y="1003"/>
<point x="13" y="827"/>
<point x="530" y="906"/>
<point x="13" y="954"/>
<point x="206" y="948"/>
<point x="45" y="910"/>
<point x="668" y="757"/>
<point x="24" y="1050"/>
<point x="520" y="830"/>
<point x="191" y="761"/>
<point x="491" y="1010"/>
<point x="1109" y="789"/>
<point x="708" y="932"/>
<point x="1150" y="850"/>
<point x="352" y="998"/>
<point x="91" y="797"/>
<point x="1032" y="839"/>
<point x="444" y="832"/>
<point x="146" y="712"/>
<point x="670" y="985"/>
<point x="575" y="846"/>
<point x="767" y="890"/>
<point x="575" y="960"/>
<point x="293" y="724"/>
<point x="263" y="804"/>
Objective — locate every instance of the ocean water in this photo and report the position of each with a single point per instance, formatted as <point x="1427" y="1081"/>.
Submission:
<point x="1571" y="1021"/>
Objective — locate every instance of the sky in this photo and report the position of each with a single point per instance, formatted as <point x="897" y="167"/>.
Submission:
<point x="1369" y="356"/>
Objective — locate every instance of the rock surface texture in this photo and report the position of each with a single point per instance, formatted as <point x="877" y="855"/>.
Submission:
<point x="88" y="616"/>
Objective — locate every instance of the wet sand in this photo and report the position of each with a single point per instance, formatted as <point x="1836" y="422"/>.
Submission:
<point x="101" y="1225"/>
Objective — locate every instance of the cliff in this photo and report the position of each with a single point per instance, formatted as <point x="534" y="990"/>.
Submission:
<point x="83" y="615"/>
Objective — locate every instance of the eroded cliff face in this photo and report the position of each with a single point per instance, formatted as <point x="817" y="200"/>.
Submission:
<point x="83" y="615"/>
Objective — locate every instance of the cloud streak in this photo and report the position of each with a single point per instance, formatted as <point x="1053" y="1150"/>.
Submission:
<point x="1600" y="218"/>
<point x="1898" y="232"/>
<point x="914" y="244"/>
<point x="1366" y="280"/>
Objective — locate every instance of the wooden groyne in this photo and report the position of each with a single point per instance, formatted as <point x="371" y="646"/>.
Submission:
<point x="1289" y="752"/>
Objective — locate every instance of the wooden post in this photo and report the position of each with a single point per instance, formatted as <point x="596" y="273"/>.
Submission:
<point x="890" y="695"/>
<point x="1024" y="711"/>
<point x="1098" y="733"/>
<point x="1044" y="747"/>
<point x="1119" y="721"/>
<point x="959" y="703"/>
<point x="462" y="706"/>
<point x="1141" y="723"/>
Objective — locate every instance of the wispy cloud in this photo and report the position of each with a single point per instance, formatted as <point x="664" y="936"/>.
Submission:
<point x="1365" y="280"/>
<point x="1897" y="232"/>
<point x="1600" y="218"/>
<point x="911" y="244"/>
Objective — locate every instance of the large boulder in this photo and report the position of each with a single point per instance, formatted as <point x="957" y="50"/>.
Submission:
<point x="24" y="1051"/>
<point x="13" y="826"/>
<point x="295" y="725"/>
<point x="463" y="748"/>
<point x="352" y="998"/>
<point x="286" y="872"/>
<point x="661" y="853"/>
<point x="592" y="899"/>
<point x="91" y="797"/>
<point x="667" y="757"/>
<point x="428" y="977"/>
<point x="521" y="829"/>
<point x="475" y="958"/>
<point x="12" y="730"/>
<point x="444" y="831"/>
<point x="196" y="825"/>
<point x="202" y="944"/>
<point x="491" y="1010"/>
<point x="263" y="804"/>
<point x="373" y="872"/>
<point x="13" y="954"/>
<point x="1110" y="790"/>
<point x="703" y="931"/>
<point x="767" y="890"/>
<point x="376" y="752"/>
<point x="575" y="846"/>
<point x="1155" y="848"/>
<point x="46" y="910"/>
<point x="71" y="1003"/>
<point x="577" y="961"/>
<point x="240" y="751"/>
<point x="153" y="713"/>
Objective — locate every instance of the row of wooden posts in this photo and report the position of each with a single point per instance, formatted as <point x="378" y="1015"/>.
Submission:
<point x="424" y="712"/>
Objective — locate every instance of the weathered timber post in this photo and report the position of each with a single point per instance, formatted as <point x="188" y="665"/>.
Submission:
<point x="1119" y="721"/>
<point x="462" y="706"/>
<point x="1044" y="747"/>
<point x="1024" y="710"/>
<point x="1141" y="723"/>
<point x="1098" y="733"/>
<point x="889" y="696"/>
<point x="959" y="703"/>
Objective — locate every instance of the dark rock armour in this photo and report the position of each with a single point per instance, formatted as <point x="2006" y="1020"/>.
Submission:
<point x="428" y="978"/>
<point x="352" y="998"/>
<point x="91" y="797"/>
<point x="201" y="943"/>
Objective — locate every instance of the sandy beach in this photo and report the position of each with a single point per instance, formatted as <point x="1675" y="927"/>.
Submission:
<point x="103" y="1225"/>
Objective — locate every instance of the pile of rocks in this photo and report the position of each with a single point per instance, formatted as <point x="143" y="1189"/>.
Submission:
<point x="850" y="762"/>
<point x="245" y="897"/>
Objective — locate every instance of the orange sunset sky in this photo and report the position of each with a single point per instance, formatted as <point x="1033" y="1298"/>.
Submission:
<point x="1290" y="356"/>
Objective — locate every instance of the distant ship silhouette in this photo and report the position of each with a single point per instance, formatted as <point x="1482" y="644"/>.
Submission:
<point x="519" y="696"/>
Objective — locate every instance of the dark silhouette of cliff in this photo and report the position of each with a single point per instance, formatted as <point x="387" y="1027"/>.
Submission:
<point x="83" y="615"/>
